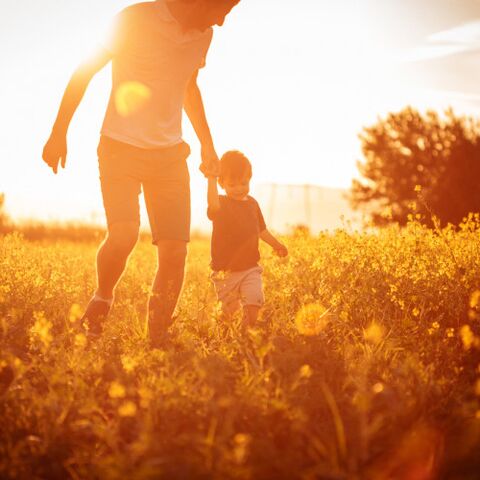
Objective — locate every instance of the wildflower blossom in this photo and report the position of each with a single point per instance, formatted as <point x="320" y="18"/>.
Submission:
<point x="374" y="333"/>
<point x="75" y="313"/>
<point x="311" y="319"/>
<point x="116" y="390"/>
<point x="80" y="340"/>
<point x="129" y="363"/>
<point x="475" y="299"/>
<point x="306" y="371"/>
<point x="378" y="388"/>
<point x="467" y="337"/>
<point x="241" y="446"/>
<point x="40" y="331"/>
<point x="127" y="409"/>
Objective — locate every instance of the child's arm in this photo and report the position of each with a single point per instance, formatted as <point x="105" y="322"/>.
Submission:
<point x="212" y="195"/>
<point x="280" y="248"/>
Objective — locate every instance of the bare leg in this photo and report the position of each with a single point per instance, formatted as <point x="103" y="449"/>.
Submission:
<point x="166" y="286"/>
<point x="113" y="254"/>
<point x="112" y="257"/>
<point x="250" y="315"/>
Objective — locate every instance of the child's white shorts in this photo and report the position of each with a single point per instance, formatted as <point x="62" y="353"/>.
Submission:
<point x="244" y="286"/>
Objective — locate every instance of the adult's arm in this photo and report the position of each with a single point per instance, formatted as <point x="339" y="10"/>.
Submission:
<point x="193" y="106"/>
<point x="55" y="150"/>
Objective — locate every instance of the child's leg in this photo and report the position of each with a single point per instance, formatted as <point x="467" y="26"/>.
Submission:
<point x="250" y="315"/>
<point x="230" y="307"/>
<point x="226" y="288"/>
<point x="251" y="294"/>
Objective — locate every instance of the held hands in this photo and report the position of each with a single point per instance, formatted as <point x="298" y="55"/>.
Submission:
<point x="210" y="166"/>
<point x="55" y="151"/>
<point x="280" y="250"/>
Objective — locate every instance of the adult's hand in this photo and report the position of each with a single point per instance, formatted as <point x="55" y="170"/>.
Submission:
<point x="55" y="151"/>
<point x="210" y="166"/>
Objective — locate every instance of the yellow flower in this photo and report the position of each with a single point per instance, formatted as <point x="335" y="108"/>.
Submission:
<point x="306" y="371"/>
<point x="418" y="188"/>
<point x="311" y="319"/>
<point x="241" y="438"/>
<point x="80" y="340"/>
<point x="41" y="329"/>
<point x="127" y="409"/>
<point x="475" y="299"/>
<point x="415" y="312"/>
<point x="378" y="388"/>
<point x="374" y="333"/>
<point x="467" y="336"/>
<point x="129" y="363"/>
<point x="241" y="446"/>
<point x="116" y="390"/>
<point x="75" y="313"/>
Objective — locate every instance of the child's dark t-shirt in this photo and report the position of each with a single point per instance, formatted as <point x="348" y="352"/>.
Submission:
<point x="236" y="227"/>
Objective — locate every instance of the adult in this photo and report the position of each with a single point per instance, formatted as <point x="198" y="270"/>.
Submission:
<point x="156" y="49"/>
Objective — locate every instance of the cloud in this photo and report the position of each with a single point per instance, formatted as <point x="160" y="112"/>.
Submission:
<point x="453" y="41"/>
<point x="466" y="34"/>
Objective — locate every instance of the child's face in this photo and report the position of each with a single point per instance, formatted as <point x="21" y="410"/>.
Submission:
<point x="236" y="188"/>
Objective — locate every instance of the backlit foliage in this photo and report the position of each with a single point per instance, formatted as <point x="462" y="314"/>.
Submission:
<point x="365" y="364"/>
<point x="407" y="153"/>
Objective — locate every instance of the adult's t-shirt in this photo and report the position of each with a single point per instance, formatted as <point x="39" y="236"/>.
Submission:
<point x="153" y="60"/>
<point x="236" y="228"/>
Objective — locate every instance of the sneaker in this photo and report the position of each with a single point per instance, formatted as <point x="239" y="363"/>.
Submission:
<point x="94" y="316"/>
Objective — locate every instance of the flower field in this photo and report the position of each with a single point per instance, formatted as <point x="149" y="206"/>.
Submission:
<point x="365" y="364"/>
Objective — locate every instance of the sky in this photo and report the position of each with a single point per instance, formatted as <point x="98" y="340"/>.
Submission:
<point x="291" y="84"/>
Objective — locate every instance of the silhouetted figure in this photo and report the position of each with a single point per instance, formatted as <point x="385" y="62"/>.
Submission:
<point x="237" y="226"/>
<point x="156" y="49"/>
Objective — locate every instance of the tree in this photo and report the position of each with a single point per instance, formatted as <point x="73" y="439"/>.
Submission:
<point x="407" y="149"/>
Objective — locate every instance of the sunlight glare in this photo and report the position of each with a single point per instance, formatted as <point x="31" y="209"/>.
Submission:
<point x="130" y="97"/>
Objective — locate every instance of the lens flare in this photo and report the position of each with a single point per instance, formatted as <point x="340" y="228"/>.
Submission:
<point x="130" y="97"/>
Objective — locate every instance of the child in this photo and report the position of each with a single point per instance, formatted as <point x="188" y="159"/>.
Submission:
<point x="237" y="225"/>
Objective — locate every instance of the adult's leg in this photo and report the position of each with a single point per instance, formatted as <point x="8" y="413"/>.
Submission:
<point x="166" y="287"/>
<point x="166" y="187"/>
<point x="111" y="260"/>
<point x="113" y="254"/>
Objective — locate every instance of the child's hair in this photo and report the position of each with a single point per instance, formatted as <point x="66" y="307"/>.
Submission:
<point x="234" y="165"/>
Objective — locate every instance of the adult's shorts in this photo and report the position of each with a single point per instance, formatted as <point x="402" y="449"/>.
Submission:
<point x="162" y="174"/>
